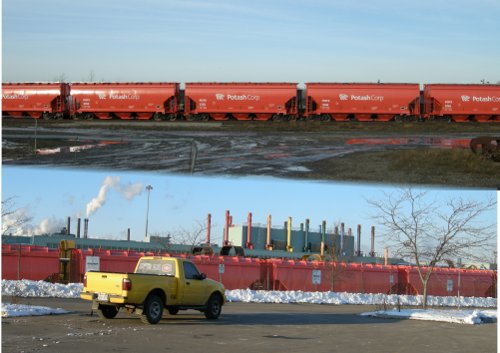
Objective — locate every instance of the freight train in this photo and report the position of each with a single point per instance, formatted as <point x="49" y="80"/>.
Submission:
<point x="253" y="101"/>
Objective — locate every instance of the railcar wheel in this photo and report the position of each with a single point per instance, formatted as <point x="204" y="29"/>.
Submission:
<point x="214" y="307"/>
<point x="107" y="311"/>
<point x="153" y="310"/>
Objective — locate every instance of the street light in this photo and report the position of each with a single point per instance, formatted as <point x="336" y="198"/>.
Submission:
<point x="148" y="188"/>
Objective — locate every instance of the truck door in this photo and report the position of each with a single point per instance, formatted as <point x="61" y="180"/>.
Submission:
<point x="194" y="288"/>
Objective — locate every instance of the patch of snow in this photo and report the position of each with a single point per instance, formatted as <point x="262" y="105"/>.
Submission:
<point x="11" y="310"/>
<point x="472" y="317"/>
<point x="298" y="168"/>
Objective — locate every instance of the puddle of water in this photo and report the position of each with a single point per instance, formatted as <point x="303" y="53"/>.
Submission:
<point x="413" y="141"/>
<point x="79" y="148"/>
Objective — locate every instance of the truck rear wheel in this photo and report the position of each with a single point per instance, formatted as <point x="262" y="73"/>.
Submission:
<point x="173" y="310"/>
<point x="214" y="307"/>
<point x="107" y="311"/>
<point x="153" y="310"/>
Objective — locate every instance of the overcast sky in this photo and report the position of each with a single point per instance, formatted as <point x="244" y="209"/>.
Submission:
<point x="260" y="40"/>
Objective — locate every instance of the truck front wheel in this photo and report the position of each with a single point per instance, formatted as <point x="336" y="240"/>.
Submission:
<point x="214" y="307"/>
<point x="107" y="311"/>
<point x="153" y="310"/>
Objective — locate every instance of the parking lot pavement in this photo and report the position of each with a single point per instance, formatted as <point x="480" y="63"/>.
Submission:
<point x="243" y="327"/>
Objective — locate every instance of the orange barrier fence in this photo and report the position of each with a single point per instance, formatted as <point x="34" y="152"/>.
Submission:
<point x="39" y="263"/>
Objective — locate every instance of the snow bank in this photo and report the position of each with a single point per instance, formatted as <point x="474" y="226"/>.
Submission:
<point x="27" y="288"/>
<point x="247" y="295"/>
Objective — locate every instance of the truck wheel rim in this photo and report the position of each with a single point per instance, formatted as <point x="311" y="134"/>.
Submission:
<point x="215" y="307"/>
<point x="155" y="310"/>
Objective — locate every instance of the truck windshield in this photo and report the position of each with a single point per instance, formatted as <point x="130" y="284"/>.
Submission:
<point x="157" y="267"/>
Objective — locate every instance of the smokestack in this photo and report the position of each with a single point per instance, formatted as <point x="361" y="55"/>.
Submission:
<point x="285" y="227"/>
<point x="358" y="251"/>
<point x="289" y="246"/>
<point x="306" y="237"/>
<point x="323" y="235"/>
<point x="249" y="231"/>
<point x="342" y="233"/>
<point x="336" y="230"/>
<point x="372" y="252"/>
<point x="128" y="234"/>
<point x="85" y="228"/>
<point x="209" y="227"/>
<point x="68" y="228"/>
<point x="78" y="226"/>
<point x="268" y="234"/>
<point x="226" y="229"/>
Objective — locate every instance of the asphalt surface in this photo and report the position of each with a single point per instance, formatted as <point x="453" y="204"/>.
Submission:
<point x="242" y="327"/>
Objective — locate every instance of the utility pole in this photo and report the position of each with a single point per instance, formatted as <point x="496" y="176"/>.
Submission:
<point x="148" y="188"/>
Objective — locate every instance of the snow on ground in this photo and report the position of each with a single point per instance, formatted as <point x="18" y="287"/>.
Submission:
<point x="454" y="316"/>
<point x="10" y="310"/>
<point x="27" y="288"/>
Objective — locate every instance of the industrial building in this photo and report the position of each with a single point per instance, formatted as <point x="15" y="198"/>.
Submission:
<point x="253" y="240"/>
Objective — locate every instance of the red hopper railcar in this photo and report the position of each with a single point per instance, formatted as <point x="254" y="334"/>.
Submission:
<point x="362" y="101"/>
<point x="241" y="101"/>
<point x="141" y="101"/>
<point x="36" y="100"/>
<point x="462" y="102"/>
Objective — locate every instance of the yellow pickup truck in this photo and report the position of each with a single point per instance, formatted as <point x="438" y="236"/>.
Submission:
<point x="157" y="283"/>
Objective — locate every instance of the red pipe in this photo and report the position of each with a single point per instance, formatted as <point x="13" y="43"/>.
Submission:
<point x="268" y="233"/>
<point x="226" y="229"/>
<point x="249" y="231"/>
<point x="209" y="226"/>
<point x="372" y="252"/>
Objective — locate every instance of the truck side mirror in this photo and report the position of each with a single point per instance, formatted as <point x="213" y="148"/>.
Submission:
<point x="202" y="276"/>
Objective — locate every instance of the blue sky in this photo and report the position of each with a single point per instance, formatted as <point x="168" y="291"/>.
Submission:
<point x="282" y="40"/>
<point x="179" y="202"/>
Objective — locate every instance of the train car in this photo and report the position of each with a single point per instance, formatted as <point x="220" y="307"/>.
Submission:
<point x="462" y="102"/>
<point x="240" y="101"/>
<point x="362" y="101"/>
<point x="141" y="101"/>
<point x="36" y="100"/>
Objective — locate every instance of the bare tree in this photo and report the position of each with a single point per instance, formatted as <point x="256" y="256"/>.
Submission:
<point x="60" y="78"/>
<point x="13" y="217"/>
<point x="430" y="233"/>
<point x="191" y="236"/>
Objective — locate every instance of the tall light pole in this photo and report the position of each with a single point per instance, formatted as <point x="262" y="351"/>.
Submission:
<point x="148" y="188"/>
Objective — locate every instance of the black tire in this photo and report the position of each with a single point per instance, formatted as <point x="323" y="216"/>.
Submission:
<point x="214" y="307"/>
<point x="153" y="310"/>
<point x="106" y="312"/>
<point x="173" y="310"/>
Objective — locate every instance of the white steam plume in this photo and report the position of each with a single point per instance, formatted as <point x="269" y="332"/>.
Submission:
<point x="128" y="191"/>
<point x="51" y="225"/>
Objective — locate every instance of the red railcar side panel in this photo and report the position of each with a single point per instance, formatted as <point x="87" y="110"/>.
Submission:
<point x="125" y="100"/>
<point x="462" y="102"/>
<point x="33" y="99"/>
<point x="242" y="100"/>
<point x="363" y="101"/>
